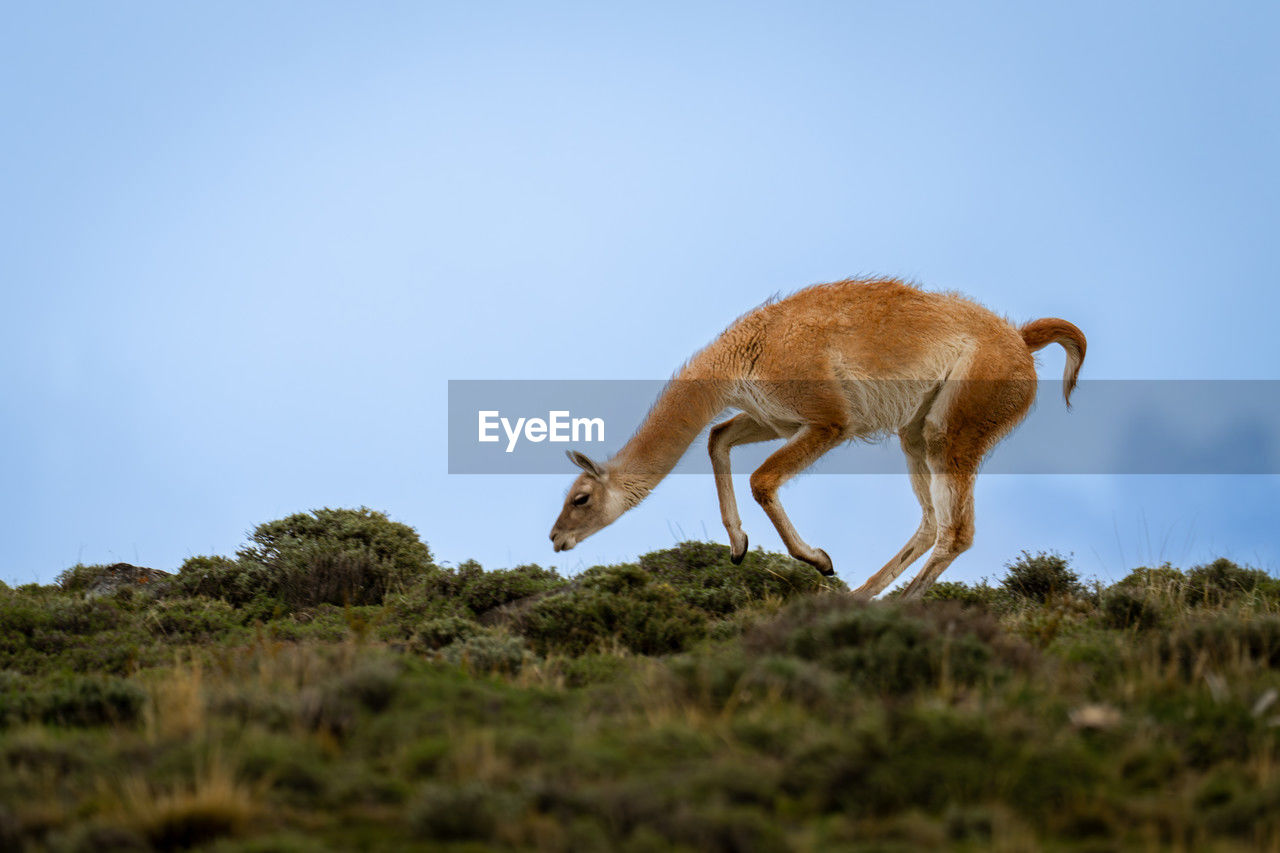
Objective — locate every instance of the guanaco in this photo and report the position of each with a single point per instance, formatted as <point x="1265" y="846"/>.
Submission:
<point x="853" y="359"/>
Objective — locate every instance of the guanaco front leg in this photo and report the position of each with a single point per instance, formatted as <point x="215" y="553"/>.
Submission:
<point x="801" y="451"/>
<point x="742" y="429"/>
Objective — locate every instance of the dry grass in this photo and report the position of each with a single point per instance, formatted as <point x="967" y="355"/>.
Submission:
<point x="212" y="803"/>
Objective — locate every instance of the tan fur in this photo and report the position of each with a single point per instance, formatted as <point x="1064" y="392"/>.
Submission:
<point x="850" y="360"/>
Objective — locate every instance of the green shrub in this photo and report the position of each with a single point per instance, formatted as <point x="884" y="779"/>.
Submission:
<point x="1223" y="581"/>
<point x="388" y="543"/>
<point x="312" y="573"/>
<point x="293" y="768"/>
<point x="617" y="604"/>
<point x="335" y="705"/>
<point x="727" y="676"/>
<point x="435" y="595"/>
<point x="236" y="582"/>
<point x="1131" y="607"/>
<point x="487" y="652"/>
<point x="1163" y="580"/>
<point x="1223" y="640"/>
<point x="703" y="575"/>
<point x="960" y="592"/>
<point x="42" y="626"/>
<point x="436" y="633"/>
<point x="889" y="647"/>
<point x="1039" y="577"/>
<point x="328" y="556"/>
<point x="481" y="591"/>
<point x="469" y="812"/>
<point x="191" y="620"/>
<point x="85" y="701"/>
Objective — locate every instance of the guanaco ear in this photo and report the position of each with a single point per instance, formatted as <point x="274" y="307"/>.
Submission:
<point x="585" y="463"/>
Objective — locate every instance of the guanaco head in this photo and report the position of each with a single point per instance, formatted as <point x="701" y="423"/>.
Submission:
<point x="590" y="505"/>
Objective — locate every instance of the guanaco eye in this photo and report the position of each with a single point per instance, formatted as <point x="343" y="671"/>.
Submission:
<point x="581" y="499"/>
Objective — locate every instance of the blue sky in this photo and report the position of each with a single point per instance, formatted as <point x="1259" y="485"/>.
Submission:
<point x="245" y="246"/>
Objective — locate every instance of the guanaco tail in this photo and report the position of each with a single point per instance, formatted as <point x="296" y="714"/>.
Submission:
<point x="854" y="359"/>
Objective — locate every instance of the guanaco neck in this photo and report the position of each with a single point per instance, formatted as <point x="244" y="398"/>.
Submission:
<point x="680" y="413"/>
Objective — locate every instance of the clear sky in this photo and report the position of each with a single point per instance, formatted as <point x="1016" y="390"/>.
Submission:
<point x="244" y="246"/>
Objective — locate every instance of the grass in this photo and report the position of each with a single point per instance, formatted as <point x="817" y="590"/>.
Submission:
<point x="674" y="703"/>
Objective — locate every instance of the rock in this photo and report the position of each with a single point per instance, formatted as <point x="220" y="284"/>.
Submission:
<point x="111" y="579"/>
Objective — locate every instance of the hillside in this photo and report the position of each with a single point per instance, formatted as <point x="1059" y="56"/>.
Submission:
<point x="330" y="687"/>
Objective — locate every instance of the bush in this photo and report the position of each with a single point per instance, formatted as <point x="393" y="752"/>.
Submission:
<point x="335" y="705"/>
<point x="1224" y="640"/>
<point x="293" y="768"/>
<point x="469" y="812"/>
<point x="482" y="591"/>
<point x="38" y="627"/>
<point x="1131" y="607"/>
<point x="962" y="593"/>
<point x="892" y="648"/>
<point x="1040" y="577"/>
<point x="1223" y="581"/>
<point x="328" y="556"/>
<point x="191" y="620"/>
<point x="237" y="582"/>
<point x="617" y="604"/>
<point x="313" y="573"/>
<point x="438" y="632"/>
<point x="71" y="701"/>
<point x="488" y="652"/>
<point x="344" y="530"/>
<point x="703" y="575"/>
<point x="1162" y="580"/>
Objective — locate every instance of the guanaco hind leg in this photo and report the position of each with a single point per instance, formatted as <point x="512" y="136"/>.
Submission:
<point x="912" y="439"/>
<point x="966" y="421"/>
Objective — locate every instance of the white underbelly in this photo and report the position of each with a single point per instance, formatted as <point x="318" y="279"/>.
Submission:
<point x="873" y="408"/>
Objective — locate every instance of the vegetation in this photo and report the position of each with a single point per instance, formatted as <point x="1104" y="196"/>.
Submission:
<point x="331" y="687"/>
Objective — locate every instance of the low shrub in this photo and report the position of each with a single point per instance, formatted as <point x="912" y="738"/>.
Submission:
<point x="490" y="651"/>
<point x="1225" y="639"/>
<point x="892" y="648"/>
<point x="1162" y="580"/>
<point x="334" y="706"/>
<point x="704" y="576"/>
<point x="438" y="632"/>
<point x="979" y="595"/>
<point x="1124" y="607"/>
<point x="472" y="811"/>
<point x="327" y="556"/>
<point x="390" y="553"/>
<point x="76" y="700"/>
<point x="1039" y="577"/>
<point x="237" y="582"/>
<point x="191" y="620"/>
<point x="617" y="604"/>
<point x="1222" y="582"/>
<point x="480" y="591"/>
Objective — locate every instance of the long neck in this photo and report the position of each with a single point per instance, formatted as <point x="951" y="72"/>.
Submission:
<point x="682" y="410"/>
